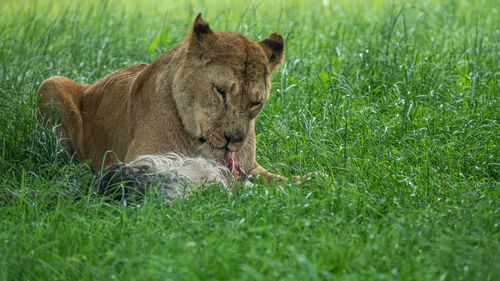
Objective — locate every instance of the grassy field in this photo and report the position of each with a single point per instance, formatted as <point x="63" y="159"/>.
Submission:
<point x="399" y="102"/>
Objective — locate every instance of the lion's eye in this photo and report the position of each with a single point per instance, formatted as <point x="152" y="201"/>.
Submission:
<point x="222" y="93"/>
<point x="255" y="104"/>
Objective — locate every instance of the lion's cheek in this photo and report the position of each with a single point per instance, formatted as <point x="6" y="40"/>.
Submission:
<point x="189" y="119"/>
<point x="200" y="118"/>
<point x="191" y="126"/>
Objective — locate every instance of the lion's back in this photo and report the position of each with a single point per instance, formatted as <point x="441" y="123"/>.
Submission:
<point x="104" y="111"/>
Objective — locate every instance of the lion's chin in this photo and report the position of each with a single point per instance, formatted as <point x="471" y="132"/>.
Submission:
<point x="229" y="146"/>
<point x="234" y="147"/>
<point x="229" y="159"/>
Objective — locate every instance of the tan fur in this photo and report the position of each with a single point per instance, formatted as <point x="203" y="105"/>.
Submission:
<point x="173" y="104"/>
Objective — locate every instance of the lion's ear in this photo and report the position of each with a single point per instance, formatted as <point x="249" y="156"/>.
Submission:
<point x="274" y="47"/>
<point x="201" y="36"/>
<point x="201" y="28"/>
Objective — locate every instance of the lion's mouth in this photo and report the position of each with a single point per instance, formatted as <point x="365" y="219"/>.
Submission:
<point x="229" y="161"/>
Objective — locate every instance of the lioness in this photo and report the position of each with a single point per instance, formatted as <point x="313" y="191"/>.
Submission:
<point x="199" y="99"/>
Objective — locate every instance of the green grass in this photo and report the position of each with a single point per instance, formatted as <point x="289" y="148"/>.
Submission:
<point x="398" y="102"/>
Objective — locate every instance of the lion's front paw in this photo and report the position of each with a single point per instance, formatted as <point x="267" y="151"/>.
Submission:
<point x="311" y="175"/>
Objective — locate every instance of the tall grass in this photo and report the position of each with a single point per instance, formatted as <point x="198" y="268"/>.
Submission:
<point x="397" y="101"/>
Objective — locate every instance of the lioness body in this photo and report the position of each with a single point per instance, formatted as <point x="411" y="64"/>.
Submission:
<point x="198" y="99"/>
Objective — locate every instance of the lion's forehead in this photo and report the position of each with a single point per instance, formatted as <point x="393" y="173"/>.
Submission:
<point x="241" y="53"/>
<point x="243" y="78"/>
<point x="248" y="69"/>
<point x="241" y="61"/>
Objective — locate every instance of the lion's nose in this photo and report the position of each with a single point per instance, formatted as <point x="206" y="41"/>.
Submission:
<point x="234" y="136"/>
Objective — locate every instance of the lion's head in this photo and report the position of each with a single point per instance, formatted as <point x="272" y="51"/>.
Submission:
<point x="223" y="83"/>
